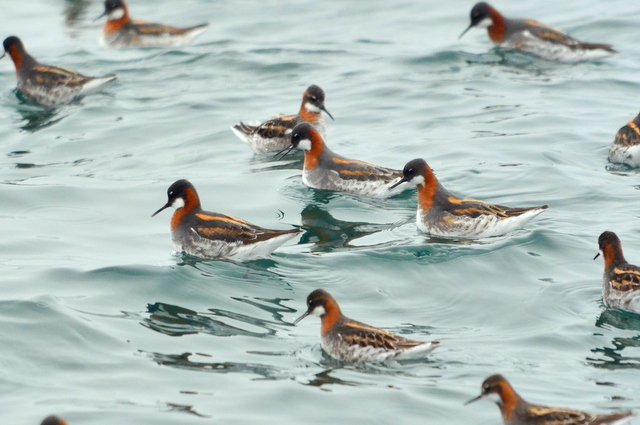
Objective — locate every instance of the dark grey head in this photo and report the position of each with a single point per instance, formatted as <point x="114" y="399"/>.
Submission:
<point x="113" y="9"/>
<point x="319" y="302"/>
<point x="496" y="388"/>
<point x="52" y="420"/>
<point x="12" y="41"/>
<point x="480" y="16"/>
<point x="313" y="100"/>
<point x="413" y="173"/>
<point x="302" y="137"/>
<point x="181" y="194"/>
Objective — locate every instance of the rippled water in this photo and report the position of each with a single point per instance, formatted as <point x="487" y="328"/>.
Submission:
<point x="101" y="324"/>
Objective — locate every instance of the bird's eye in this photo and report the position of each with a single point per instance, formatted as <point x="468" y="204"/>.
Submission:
<point x="314" y="98"/>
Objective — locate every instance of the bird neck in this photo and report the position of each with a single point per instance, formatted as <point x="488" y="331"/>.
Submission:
<point x="510" y="400"/>
<point x="115" y="24"/>
<point x="428" y="189"/>
<point x="613" y="255"/>
<point x="308" y="115"/>
<point x="312" y="155"/>
<point x="191" y="203"/>
<point x="331" y="316"/>
<point x="497" y="29"/>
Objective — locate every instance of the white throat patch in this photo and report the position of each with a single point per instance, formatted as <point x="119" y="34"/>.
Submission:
<point x="318" y="311"/>
<point x="305" y="145"/>
<point x="178" y="203"/>
<point x="115" y="14"/>
<point x="417" y="180"/>
<point x="486" y="22"/>
<point x="312" y="108"/>
<point x="495" y="397"/>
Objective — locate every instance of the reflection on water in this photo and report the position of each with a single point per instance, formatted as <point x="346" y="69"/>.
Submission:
<point x="34" y="117"/>
<point x="328" y="233"/>
<point x="74" y="11"/>
<point x="174" y="320"/>
<point x="265" y="162"/>
<point x="612" y="357"/>
<point x="184" y="361"/>
<point x="185" y="409"/>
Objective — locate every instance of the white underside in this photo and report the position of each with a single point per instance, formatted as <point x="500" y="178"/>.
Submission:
<point x="331" y="180"/>
<point x="624" y="300"/>
<point x="217" y="249"/>
<point x="61" y="94"/>
<point x="475" y="228"/>
<point x="629" y="155"/>
<point x="122" y="39"/>
<point x="96" y="85"/>
<point x="359" y="354"/>
<point x="527" y="42"/>
<point x="261" y="144"/>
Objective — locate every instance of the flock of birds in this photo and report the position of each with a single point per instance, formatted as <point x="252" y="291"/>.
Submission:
<point x="440" y="213"/>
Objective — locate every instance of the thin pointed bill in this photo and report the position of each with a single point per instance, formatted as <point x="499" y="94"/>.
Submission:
<point x="597" y="255"/>
<point x="167" y="205"/>
<point x="300" y="318"/>
<point x="101" y="16"/>
<point x="284" y="152"/>
<point x="327" y="112"/>
<point x="3" y="55"/>
<point x="402" y="180"/>
<point x="473" y="399"/>
<point x="465" y="31"/>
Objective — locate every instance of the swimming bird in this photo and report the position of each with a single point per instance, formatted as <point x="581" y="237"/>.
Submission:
<point x="625" y="148"/>
<point x="442" y="213"/>
<point x="516" y="411"/>
<point x="52" y="420"/>
<point x="352" y="341"/>
<point x="50" y="86"/>
<point x="275" y="134"/>
<point x="621" y="280"/>
<point x="120" y="31"/>
<point x="533" y="37"/>
<point x="324" y="169"/>
<point x="212" y="235"/>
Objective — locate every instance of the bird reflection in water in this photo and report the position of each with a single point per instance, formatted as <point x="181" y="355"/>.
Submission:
<point x="612" y="357"/>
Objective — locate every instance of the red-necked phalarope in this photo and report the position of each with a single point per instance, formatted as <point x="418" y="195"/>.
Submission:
<point x="351" y="341"/>
<point x="533" y="37"/>
<point x="441" y="213"/>
<point x="50" y="86"/>
<point x="275" y="134"/>
<point x="516" y="411"/>
<point x="324" y="169"/>
<point x="121" y="31"/>
<point x="621" y="280"/>
<point x="212" y="235"/>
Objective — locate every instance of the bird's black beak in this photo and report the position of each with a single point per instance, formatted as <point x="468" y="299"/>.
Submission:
<point x="301" y="317"/>
<point x="473" y="399"/>
<point x="597" y="255"/>
<point x="327" y="112"/>
<point x="284" y="152"/>
<point x="3" y="54"/>
<point x="402" y="180"/>
<point x="167" y="205"/>
<point x="101" y="16"/>
<point x="465" y="31"/>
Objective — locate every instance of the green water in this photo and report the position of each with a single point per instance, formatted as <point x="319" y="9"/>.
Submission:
<point x="101" y="324"/>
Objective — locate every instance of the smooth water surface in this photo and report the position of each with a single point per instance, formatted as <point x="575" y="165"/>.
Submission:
<point x="101" y="324"/>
